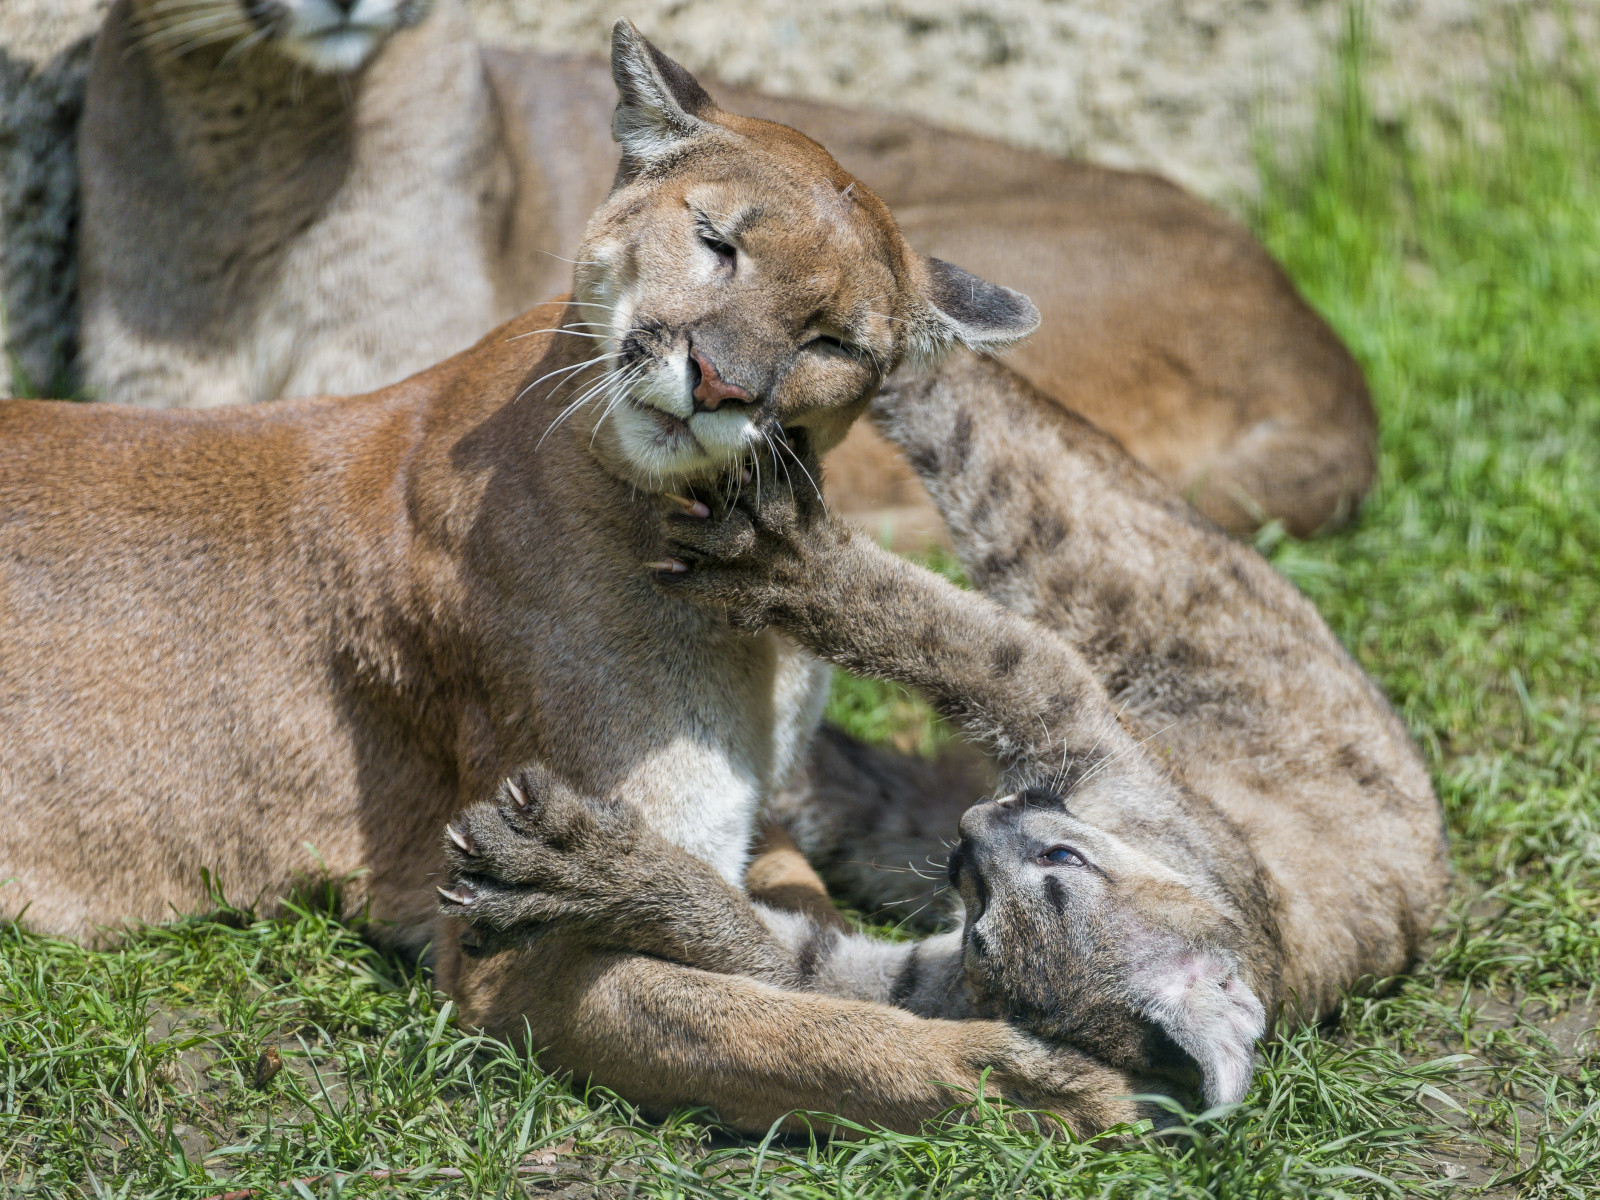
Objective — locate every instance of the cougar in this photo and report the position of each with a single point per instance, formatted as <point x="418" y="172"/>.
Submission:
<point x="293" y="197"/>
<point x="1209" y="814"/>
<point x="293" y="638"/>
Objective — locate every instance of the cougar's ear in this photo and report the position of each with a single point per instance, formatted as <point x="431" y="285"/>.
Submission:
<point x="972" y="311"/>
<point x="1198" y="998"/>
<point x="658" y="102"/>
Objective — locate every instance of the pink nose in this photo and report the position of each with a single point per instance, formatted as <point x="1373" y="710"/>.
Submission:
<point x="712" y="389"/>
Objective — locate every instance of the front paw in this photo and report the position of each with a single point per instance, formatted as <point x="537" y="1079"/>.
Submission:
<point x="746" y="547"/>
<point x="1088" y="1096"/>
<point x="538" y="854"/>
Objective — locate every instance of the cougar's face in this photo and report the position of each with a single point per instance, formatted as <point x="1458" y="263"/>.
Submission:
<point x="1091" y="941"/>
<point x="735" y="304"/>
<point x="738" y="282"/>
<point x="328" y="36"/>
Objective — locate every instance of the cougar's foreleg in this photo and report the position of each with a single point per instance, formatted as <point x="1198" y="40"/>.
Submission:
<point x="541" y="858"/>
<point x="775" y="557"/>
<point x="667" y="1036"/>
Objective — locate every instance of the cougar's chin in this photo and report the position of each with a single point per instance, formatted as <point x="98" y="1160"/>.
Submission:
<point x="332" y="39"/>
<point x="662" y="437"/>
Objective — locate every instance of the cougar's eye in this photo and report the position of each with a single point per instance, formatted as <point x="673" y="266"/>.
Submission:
<point x="720" y="248"/>
<point x="714" y="242"/>
<point x="828" y="344"/>
<point x="1063" y="856"/>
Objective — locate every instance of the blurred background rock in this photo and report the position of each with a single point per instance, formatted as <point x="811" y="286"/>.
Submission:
<point x="1191" y="88"/>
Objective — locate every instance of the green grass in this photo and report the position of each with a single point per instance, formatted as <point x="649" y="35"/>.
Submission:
<point x="1467" y="279"/>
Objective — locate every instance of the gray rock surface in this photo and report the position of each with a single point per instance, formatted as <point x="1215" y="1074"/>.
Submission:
<point x="44" y="52"/>
<point x="1182" y="86"/>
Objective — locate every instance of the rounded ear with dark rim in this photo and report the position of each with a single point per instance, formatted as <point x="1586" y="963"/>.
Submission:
<point x="977" y="313"/>
<point x="659" y="104"/>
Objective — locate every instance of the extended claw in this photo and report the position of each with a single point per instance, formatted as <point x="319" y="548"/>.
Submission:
<point x="463" y="843"/>
<point x="668" y="566"/>
<point x="517" y="797"/>
<point x="691" y="507"/>
<point x="460" y="894"/>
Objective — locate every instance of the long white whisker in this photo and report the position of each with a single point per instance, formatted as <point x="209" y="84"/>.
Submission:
<point x="785" y="444"/>
<point x="912" y="916"/>
<point x="597" y="388"/>
<point x="619" y="398"/>
<point x="1123" y="753"/>
<point x="573" y="407"/>
<point x="773" y="450"/>
<point x="619" y="394"/>
<point x="577" y="262"/>
<point x="606" y="308"/>
<point x="244" y="44"/>
<point x="588" y="362"/>
<point x="569" y="332"/>
<point x="196" y="17"/>
<point x="778" y="459"/>
<point x="1099" y="737"/>
<point x="208" y="30"/>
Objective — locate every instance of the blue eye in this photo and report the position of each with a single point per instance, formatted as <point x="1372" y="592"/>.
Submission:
<point x="1064" y="856"/>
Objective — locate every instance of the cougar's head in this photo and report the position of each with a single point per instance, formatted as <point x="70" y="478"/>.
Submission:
<point x="1096" y="939"/>
<point x="740" y="282"/>
<point x="328" y="36"/>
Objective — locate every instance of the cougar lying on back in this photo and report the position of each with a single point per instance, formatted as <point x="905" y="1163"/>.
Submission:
<point x="230" y="635"/>
<point x="289" y="197"/>
<point x="1211" y="814"/>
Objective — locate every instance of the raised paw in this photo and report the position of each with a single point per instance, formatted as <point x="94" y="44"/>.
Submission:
<point x="538" y="854"/>
<point x="747" y="545"/>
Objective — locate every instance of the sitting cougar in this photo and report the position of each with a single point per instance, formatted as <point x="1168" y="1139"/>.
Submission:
<point x="230" y="635"/>
<point x="1212" y="813"/>
<point x="292" y="197"/>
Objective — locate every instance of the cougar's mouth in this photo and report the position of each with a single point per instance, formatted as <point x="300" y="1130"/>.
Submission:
<point x="672" y="430"/>
<point x="662" y="434"/>
<point x="961" y="862"/>
<point x="332" y="38"/>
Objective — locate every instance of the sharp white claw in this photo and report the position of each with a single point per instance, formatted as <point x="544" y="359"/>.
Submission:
<point x="516" y="793"/>
<point x="462" y="841"/>
<point x="460" y="894"/>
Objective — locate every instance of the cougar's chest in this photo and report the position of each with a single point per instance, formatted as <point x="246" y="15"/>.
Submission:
<point x="742" y="725"/>
<point x="656" y="702"/>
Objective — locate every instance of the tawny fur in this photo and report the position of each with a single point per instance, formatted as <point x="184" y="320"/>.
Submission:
<point x="254" y="229"/>
<point x="293" y="638"/>
<point x="1244" y="825"/>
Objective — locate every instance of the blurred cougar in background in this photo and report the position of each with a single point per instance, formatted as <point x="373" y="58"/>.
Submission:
<point x="287" y="197"/>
